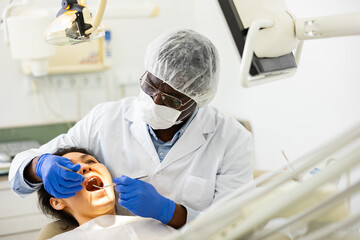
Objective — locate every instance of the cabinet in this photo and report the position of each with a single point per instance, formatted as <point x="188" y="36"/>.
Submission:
<point x="20" y="218"/>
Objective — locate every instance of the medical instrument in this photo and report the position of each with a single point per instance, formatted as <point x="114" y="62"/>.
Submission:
<point x="68" y="169"/>
<point x="266" y="34"/>
<point x="74" y="23"/>
<point x="114" y="184"/>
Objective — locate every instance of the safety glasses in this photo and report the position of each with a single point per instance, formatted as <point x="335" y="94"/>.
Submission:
<point x="167" y="99"/>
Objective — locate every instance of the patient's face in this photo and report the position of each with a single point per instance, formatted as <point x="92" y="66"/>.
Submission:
<point x="90" y="202"/>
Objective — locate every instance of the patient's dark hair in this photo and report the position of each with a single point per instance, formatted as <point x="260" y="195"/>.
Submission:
<point x="44" y="196"/>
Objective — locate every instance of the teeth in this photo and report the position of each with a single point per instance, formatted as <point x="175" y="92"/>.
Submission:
<point x="93" y="181"/>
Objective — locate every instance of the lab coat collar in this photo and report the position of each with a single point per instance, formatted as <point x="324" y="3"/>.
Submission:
<point x="198" y="131"/>
<point x="130" y="113"/>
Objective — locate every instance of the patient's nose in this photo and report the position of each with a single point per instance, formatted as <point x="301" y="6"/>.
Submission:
<point x="85" y="168"/>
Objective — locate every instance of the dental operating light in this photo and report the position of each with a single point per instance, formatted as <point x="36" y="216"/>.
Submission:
<point x="74" y="23"/>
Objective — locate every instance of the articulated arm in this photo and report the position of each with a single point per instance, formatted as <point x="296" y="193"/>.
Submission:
<point x="267" y="36"/>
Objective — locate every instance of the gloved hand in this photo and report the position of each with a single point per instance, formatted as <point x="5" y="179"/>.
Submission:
<point x="57" y="181"/>
<point x="142" y="199"/>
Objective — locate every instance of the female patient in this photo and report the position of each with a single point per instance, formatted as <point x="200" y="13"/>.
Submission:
<point x="92" y="208"/>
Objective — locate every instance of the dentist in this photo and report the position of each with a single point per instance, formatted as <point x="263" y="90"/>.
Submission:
<point x="193" y="154"/>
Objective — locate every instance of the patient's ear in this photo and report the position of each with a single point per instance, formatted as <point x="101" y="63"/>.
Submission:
<point x="57" y="203"/>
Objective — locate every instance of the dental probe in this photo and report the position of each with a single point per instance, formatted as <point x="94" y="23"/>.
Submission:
<point x="114" y="184"/>
<point x="68" y="169"/>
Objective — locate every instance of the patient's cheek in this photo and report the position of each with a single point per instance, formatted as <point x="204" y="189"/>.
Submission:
<point x="89" y="185"/>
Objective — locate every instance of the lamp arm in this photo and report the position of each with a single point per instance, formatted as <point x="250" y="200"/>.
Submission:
<point x="328" y="26"/>
<point x="99" y="15"/>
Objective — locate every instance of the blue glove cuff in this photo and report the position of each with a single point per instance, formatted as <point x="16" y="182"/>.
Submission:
<point x="39" y="164"/>
<point x="168" y="211"/>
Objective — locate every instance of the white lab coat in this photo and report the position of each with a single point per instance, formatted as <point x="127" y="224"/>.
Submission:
<point x="211" y="159"/>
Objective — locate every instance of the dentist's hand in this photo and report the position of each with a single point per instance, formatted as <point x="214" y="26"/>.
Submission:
<point x="57" y="181"/>
<point x="142" y="199"/>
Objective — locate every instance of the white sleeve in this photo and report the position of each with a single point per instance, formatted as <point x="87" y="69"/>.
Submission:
<point x="17" y="182"/>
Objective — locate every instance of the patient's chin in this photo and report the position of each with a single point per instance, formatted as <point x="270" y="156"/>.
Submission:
<point x="102" y="201"/>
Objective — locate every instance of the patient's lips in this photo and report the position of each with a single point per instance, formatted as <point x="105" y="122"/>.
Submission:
<point x="94" y="180"/>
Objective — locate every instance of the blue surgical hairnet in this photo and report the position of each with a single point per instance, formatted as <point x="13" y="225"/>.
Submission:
<point x="187" y="61"/>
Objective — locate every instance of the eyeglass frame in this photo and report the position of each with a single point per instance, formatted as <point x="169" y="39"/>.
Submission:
<point x="157" y="91"/>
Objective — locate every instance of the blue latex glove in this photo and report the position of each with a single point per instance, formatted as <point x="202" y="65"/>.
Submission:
<point x="57" y="181"/>
<point x="142" y="199"/>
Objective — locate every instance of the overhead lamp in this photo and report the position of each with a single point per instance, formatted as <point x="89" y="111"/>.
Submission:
<point x="74" y="23"/>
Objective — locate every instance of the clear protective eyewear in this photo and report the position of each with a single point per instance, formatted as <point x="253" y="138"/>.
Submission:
<point x="167" y="99"/>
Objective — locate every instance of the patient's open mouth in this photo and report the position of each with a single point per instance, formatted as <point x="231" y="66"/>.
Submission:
<point x="94" y="180"/>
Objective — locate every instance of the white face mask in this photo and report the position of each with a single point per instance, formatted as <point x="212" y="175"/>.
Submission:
<point x="157" y="116"/>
